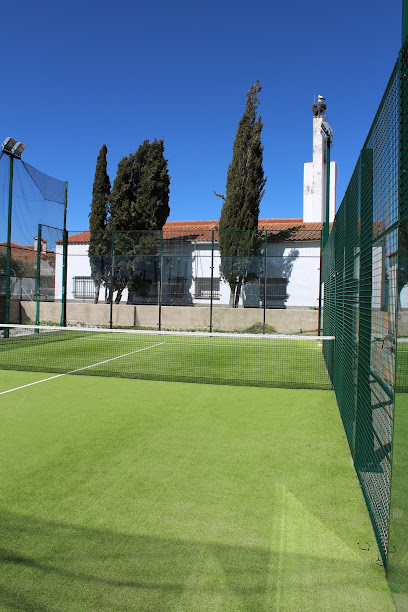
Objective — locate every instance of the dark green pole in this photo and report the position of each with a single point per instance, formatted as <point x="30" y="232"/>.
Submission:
<point x="404" y="20"/>
<point x="8" y="260"/>
<point x="161" y="277"/>
<point x="265" y="279"/>
<point x="112" y="280"/>
<point x="327" y="219"/>
<point x="63" y="320"/>
<point x="38" y="281"/>
<point x="319" y="323"/>
<point x="212" y="279"/>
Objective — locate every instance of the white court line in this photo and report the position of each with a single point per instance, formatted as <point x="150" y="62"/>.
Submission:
<point x="236" y="343"/>
<point x="80" y="369"/>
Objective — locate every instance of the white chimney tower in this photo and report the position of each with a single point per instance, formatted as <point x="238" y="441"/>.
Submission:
<point x="314" y="182"/>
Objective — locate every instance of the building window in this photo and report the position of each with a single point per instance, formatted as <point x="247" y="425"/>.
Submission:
<point x="84" y="287"/>
<point x="276" y="288"/>
<point x="203" y="287"/>
<point x="174" y="291"/>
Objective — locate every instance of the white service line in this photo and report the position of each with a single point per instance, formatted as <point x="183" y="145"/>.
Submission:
<point x="80" y="369"/>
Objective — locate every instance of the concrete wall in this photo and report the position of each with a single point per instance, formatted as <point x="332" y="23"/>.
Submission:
<point x="294" y="320"/>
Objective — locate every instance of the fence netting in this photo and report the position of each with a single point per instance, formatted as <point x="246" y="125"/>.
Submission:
<point x="265" y="281"/>
<point x="29" y="200"/>
<point x="360" y="286"/>
<point x="294" y="362"/>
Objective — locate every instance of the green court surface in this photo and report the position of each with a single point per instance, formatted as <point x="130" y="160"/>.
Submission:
<point x="218" y="359"/>
<point x="122" y="494"/>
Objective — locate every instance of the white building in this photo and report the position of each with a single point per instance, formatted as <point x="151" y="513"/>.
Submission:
<point x="184" y="268"/>
<point x="181" y="274"/>
<point x="315" y="173"/>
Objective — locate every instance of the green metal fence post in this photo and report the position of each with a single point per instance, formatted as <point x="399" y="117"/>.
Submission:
<point x="326" y="224"/>
<point x="319" y="322"/>
<point x="265" y="279"/>
<point x="8" y="254"/>
<point x="112" y="279"/>
<point x="63" y="320"/>
<point x="364" y="432"/>
<point x="212" y="279"/>
<point x="38" y="277"/>
<point x="161" y="278"/>
<point x="404" y="20"/>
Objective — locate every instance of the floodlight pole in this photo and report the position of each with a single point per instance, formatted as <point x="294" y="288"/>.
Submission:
<point x="13" y="149"/>
<point x="38" y="280"/>
<point x="404" y="20"/>
<point x="63" y="319"/>
<point x="8" y="255"/>
<point x="212" y="281"/>
<point x="327" y="134"/>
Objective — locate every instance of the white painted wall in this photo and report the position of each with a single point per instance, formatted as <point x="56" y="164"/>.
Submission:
<point x="333" y="189"/>
<point x="314" y="180"/>
<point x="297" y="261"/>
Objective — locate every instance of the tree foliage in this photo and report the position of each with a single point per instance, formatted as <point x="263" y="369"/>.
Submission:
<point x="139" y="202"/>
<point x="18" y="267"/>
<point x="238" y="236"/>
<point x="99" y="247"/>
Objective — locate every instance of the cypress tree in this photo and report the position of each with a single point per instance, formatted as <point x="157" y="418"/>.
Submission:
<point x="238" y="236"/>
<point x="98" y="219"/>
<point x="139" y="202"/>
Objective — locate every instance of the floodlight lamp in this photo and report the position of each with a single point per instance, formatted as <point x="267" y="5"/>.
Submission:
<point x="18" y="149"/>
<point x="327" y="132"/>
<point x="8" y="144"/>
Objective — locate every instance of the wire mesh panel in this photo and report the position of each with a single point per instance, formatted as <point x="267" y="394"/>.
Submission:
<point x="186" y="278"/>
<point x="218" y="358"/>
<point x="49" y="286"/>
<point x="360" y="302"/>
<point x="28" y="198"/>
<point x="397" y="568"/>
<point x="21" y="280"/>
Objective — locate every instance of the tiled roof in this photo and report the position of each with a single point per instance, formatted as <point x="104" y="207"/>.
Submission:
<point x="81" y="238"/>
<point x="201" y="231"/>
<point x="14" y="245"/>
<point x="17" y="249"/>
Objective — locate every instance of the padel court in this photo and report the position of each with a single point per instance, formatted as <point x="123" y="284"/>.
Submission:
<point x="145" y="495"/>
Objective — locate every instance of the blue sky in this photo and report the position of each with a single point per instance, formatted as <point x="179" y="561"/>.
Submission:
<point x="81" y="74"/>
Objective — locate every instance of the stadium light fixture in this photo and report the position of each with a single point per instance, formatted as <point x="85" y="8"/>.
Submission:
<point x="8" y="144"/>
<point x="18" y="149"/>
<point x="327" y="132"/>
<point x="12" y="147"/>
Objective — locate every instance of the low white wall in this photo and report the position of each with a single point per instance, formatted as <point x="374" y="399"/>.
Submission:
<point x="296" y="320"/>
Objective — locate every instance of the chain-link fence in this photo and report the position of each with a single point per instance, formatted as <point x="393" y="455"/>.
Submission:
<point x="262" y="281"/>
<point x="29" y="199"/>
<point x="360" y="285"/>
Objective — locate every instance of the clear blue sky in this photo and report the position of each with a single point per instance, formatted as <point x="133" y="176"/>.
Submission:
<point x="76" y="75"/>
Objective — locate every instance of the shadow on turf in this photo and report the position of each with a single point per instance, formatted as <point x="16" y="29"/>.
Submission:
<point x="50" y="566"/>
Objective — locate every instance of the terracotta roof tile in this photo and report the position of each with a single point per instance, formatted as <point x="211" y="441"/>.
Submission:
<point x="281" y="229"/>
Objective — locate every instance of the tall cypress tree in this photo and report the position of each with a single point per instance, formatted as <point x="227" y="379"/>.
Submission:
<point x="244" y="192"/>
<point x="139" y="202"/>
<point x="98" y="220"/>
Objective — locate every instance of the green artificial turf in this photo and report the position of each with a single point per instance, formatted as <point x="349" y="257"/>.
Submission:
<point x="154" y="496"/>
<point x="398" y="539"/>
<point x="255" y="361"/>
